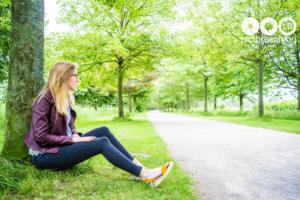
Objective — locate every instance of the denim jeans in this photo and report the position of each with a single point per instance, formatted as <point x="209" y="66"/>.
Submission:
<point x="105" y="143"/>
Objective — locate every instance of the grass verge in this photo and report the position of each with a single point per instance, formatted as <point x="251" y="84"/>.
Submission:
<point x="96" y="178"/>
<point x="287" y="125"/>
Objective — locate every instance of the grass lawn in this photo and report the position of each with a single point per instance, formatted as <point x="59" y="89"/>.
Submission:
<point x="96" y="178"/>
<point x="287" y="125"/>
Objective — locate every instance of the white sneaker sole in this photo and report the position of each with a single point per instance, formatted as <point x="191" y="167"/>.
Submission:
<point x="161" y="178"/>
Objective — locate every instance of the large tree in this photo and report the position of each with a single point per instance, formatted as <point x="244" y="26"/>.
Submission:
<point x="25" y="76"/>
<point x="123" y="32"/>
<point x="285" y="62"/>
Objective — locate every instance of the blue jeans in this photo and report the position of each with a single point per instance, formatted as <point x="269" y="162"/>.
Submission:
<point x="105" y="143"/>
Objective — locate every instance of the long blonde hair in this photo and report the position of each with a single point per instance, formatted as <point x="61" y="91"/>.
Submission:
<point x="58" y="85"/>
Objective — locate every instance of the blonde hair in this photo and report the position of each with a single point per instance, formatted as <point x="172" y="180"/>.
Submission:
<point x="58" y="85"/>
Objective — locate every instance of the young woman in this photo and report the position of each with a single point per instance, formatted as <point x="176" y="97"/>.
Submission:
<point x="55" y="144"/>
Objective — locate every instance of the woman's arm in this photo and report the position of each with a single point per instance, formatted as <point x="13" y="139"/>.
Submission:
<point x="40" y="123"/>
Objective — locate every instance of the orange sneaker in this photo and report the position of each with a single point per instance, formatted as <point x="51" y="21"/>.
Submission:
<point x="165" y="169"/>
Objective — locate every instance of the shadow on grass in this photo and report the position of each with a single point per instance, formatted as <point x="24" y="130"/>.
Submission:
<point x="14" y="172"/>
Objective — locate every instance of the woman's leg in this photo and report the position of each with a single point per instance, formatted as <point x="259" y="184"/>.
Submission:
<point x="103" y="131"/>
<point x="71" y="155"/>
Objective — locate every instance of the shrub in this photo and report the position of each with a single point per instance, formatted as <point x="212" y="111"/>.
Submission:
<point x="281" y="110"/>
<point x="281" y="106"/>
<point x="140" y="106"/>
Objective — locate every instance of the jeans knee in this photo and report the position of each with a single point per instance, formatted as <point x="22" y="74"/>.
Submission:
<point x="105" y="129"/>
<point x="103" y="140"/>
<point x="103" y="143"/>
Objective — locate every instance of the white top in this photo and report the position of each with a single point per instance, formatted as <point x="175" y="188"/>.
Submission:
<point x="34" y="152"/>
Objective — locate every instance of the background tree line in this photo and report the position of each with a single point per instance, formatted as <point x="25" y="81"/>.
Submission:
<point x="163" y="54"/>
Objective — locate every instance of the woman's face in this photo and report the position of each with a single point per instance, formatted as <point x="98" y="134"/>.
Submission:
<point x="73" y="81"/>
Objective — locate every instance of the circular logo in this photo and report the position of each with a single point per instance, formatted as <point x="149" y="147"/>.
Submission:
<point x="294" y="26"/>
<point x="250" y="22"/>
<point x="268" y="20"/>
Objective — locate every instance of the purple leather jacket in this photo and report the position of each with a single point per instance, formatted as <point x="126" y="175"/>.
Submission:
<point x="48" y="128"/>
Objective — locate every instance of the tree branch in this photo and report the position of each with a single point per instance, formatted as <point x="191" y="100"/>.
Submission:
<point x="291" y="74"/>
<point x="96" y="63"/>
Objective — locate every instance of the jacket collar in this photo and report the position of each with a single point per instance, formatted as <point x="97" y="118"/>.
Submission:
<point x="50" y="97"/>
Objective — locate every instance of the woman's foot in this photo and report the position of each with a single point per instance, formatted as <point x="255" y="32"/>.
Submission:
<point x="149" y="175"/>
<point x="165" y="170"/>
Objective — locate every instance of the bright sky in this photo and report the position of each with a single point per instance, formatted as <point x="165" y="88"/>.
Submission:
<point x="51" y="13"/>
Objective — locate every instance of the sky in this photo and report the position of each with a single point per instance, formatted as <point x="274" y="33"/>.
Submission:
<point x="51" y="13"/>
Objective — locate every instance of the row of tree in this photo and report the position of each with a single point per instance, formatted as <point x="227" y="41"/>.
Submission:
<point x="215" y="51"/>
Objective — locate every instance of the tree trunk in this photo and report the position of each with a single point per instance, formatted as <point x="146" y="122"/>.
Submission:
<point x="25" y="79"/>
<point x="299" y="93"/>
<point x="187" y="97"/>
<point x="194" y="106"/>
<point x="298" y="65"/>
<point x="120" y="87"/>
<point x="260" y="73"/>
<point x="260" y="86"/>
<point x="205" y="93"/>
<point x="129" y="100"/>
<point x="134" y="103"/>
<point x="215" y="103"/>
<point x="241" y="103"/>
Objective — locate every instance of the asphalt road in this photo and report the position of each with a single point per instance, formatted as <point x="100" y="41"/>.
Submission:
<point x="229" y="161"/>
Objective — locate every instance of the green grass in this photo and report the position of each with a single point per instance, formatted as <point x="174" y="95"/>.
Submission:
<point x="96" y="178"/>
<point x="249" y="119"/>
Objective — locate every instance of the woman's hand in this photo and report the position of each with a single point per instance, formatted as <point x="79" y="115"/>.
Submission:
<point x="75" y="135"/>
<point x="83" y="139"/>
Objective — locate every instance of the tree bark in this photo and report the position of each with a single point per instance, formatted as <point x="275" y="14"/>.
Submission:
<point x="205" y="93"/>
<point x="25" y="79"/>
<point x="134" y="103"/>
<point x="187" y="97"/>
<point x="241" y="103"/>
<point x="260" y="72"/>
<point x="298" y="66"/>
<point x="215" y="103"/>
<point x="120" y="87"/>
<point x="129" y="100"/>
<point x="260" y="86"/>
<point x="299" y="93"/>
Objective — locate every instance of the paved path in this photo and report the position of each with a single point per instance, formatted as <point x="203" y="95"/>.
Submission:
<point x="230" y="161"/>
